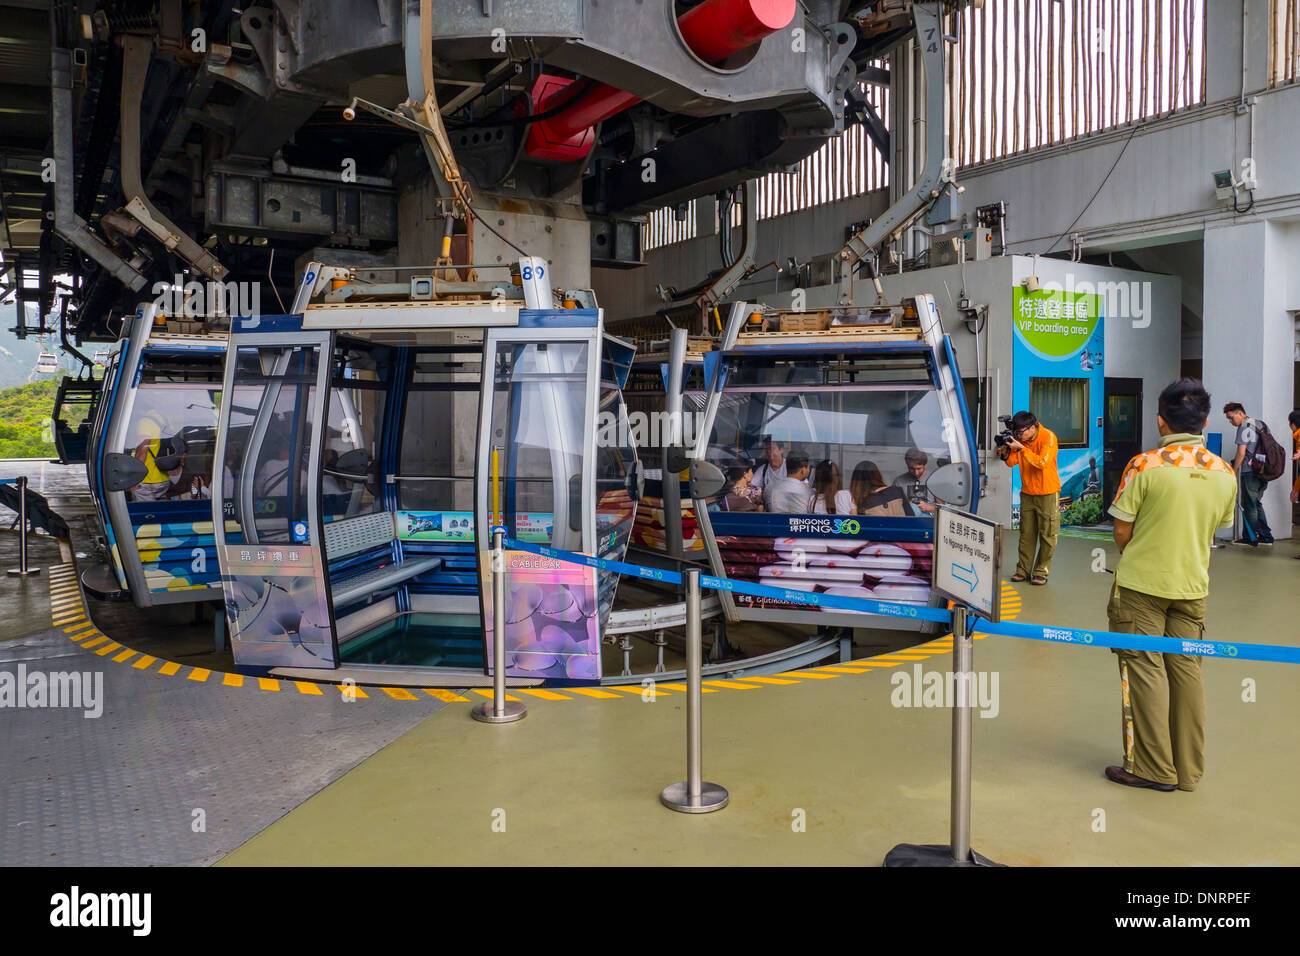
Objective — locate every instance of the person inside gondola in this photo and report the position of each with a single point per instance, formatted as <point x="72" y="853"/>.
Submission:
<point x="873" y="496"/>
<point x="773" y="467"/>
<point x="913" y="481"/>
<point x="739" y="496"/>
<point x="789" y="495"/>
<point x="154" y="485"/>
<point x="829" y="494"/>
<point x="271" y="479"/>
<point x="182" y="482"/>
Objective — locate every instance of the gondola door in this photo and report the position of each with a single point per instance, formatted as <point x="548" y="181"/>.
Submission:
<point x="266" y="499"/>
<point x="535" y="476"/>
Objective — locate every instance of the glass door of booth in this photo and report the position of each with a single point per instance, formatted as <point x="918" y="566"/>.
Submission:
<point x="266" y="500"/>
<point x="536" y="477"/>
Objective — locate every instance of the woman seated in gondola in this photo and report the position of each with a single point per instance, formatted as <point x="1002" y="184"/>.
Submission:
<point x="829" y="494"/>
<point x="872" y="495"/>
<point x="740" y="494"/>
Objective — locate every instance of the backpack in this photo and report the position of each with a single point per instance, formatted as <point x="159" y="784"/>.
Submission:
<point x="1270" y="458"/>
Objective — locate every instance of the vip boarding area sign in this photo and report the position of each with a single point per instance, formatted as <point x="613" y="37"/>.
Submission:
<point x="967" y="552"/>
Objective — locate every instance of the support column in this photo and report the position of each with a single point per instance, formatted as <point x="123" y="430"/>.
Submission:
<point x="1249" y="354"/>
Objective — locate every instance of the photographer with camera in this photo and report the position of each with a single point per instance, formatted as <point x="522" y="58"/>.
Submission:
<point x="1032" y="447"/>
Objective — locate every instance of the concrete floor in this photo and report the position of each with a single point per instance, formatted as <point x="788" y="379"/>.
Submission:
<point x="166" y="768"/>
<point x="391" y="782"/>
<point x="578" y="782"/>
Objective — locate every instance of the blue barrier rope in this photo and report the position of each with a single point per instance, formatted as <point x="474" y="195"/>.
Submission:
<point x="1035" y="632"/>
<point x="8" y="481"/>
<point x="1142" y="642"/>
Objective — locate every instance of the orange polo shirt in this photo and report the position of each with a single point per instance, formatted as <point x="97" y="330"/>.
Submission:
<point x="1037" y="463"/>
<point x="1295" y="437"/>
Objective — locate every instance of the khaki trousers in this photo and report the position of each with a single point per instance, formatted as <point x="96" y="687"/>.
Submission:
<point x="1040" y="524"/>
<point x="1163" y="711"/>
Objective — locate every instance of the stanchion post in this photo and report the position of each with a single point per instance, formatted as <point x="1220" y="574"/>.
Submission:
<point x="964" y="677"/>
<point x="22" y="570"/>
<point x="966" y="561"/>
<point x="695" y="794"/>
<point x="500" y="710"/>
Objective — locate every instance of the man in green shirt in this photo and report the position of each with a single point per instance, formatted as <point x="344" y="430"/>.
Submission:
<point x="1169" y="504"/>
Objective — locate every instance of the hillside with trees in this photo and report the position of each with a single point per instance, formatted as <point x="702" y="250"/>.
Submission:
<point x="24" y="416"/>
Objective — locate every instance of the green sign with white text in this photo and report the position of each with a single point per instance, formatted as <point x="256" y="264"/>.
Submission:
<point x="1054" y="323"/>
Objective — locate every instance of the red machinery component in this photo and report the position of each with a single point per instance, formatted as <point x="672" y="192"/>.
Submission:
<point x="714" y="30"/>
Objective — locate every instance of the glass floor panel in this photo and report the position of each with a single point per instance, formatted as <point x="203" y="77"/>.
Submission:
<point x="419" y="639"/>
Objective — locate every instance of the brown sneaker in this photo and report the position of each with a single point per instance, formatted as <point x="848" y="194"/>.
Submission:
<point x="1120" y="775"/>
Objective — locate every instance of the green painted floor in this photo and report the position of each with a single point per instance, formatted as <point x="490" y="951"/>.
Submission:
<point x="577" y="782"/>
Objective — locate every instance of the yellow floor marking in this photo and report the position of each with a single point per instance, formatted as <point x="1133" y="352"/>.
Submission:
<point x="545" y="694"/>
<point x="108" y="648"/>
<point x="65" y="603"/>
<point x="98" y="640"/>
<point x="446" y="695"/>
<point x="353" y="692"/>
<point x="729" y="684"/>
<point x="268" y="683"/>
<point x="199" y="673"/>
<point x="70" y="619"/>
<point x="813" y="674"/>
<point x="233" y="680"/>
<point x="399" y="693"/>
<point x="593" y="692"/>
<point x="488" y="694"/>
<point x="839" y="670"/>
<point x="144" y="661"/>
<point x="64" y="594"/>
<point x="768" y="680"/>
<point x="703" y="690"/>
<point x="125" y="655"/>
<point x="168" y="669"/>
<point x="79" y="626"/>
<point x="638" y="690"/>
<point x="307" y="687"/>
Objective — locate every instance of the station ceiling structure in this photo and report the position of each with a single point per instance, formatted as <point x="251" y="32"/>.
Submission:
<point x="148" y="140"/>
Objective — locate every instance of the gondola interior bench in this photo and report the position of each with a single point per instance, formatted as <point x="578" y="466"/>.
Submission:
<point x="361" y="562"/>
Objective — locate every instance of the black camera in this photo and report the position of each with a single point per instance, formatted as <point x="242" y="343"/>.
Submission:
<point x="1005" y="437"/>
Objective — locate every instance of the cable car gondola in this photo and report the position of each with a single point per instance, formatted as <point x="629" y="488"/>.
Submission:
<point x="855" y="399"/>
<point x="371" y="439"/>
<point x="151" y="463"/>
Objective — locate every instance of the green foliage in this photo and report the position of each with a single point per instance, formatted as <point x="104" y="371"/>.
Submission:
<point x="24" y="415"/>
<point x="1084" y="511"/>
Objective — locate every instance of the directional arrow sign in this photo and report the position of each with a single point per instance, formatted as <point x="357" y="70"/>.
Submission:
<point x="967" y="575"/>
<point x="966" y="558"/>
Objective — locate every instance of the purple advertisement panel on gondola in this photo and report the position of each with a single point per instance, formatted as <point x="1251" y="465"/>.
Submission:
<point x="276" y="606"/>
<point x="841" y="567"/>
<point x="551" y="626"/>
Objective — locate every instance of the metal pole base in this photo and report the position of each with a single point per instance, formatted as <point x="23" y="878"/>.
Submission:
<point x="678" y="797"/>
<point x="913" y="854"/>
<point x="20" y="573"/>
<point x="486" y="712"/>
